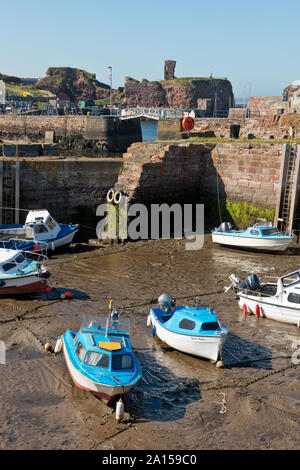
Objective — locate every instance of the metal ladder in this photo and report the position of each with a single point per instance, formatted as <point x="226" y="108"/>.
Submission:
<point x="284" y="216"/>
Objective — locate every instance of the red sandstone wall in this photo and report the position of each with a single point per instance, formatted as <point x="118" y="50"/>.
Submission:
<point x="158" y="172"/>
<point x="36" y="126"/>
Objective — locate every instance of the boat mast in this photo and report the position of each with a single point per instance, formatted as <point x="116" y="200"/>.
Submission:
<point x="108" y="318"/>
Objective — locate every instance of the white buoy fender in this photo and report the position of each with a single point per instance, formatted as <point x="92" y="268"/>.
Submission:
<point x="110" y="195"/>
<point x="117" y="197"/>
<point x="120" y="410"/>
<point x="149" y="320"/>
<point x="58" y="346"/>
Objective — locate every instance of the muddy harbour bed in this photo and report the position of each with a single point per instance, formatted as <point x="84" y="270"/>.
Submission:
<point x="181" y="402"/>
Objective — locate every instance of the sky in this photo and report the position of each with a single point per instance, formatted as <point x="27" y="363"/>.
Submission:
<point x="254" y="43"/>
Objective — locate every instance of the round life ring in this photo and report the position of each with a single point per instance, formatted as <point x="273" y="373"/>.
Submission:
<point x="110" y="195"/>
<point x="188" y="123"/>
<point x="117" y="197"/>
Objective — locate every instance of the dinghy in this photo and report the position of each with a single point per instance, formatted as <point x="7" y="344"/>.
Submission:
<point x="99" y="356"/>
<point x="40" y="227"/>
<point x="192" y="330"/>
<point x="260" y="237"/>
<point x="277" y="301"/>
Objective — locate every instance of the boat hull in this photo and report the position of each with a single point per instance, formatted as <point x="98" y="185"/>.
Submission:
<point x="65" y="240"/>
<point x="24" y="285"/>
<point x="107" y="393"/>
<point x="208" y="346"/>
<point x="252" y="243"/>
<point x="270" y="308"/>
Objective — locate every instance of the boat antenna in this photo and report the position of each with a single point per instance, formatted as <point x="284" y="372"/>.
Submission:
<point x="108" y="318"/>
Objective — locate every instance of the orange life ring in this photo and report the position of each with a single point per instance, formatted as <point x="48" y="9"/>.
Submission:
<point x="188" y="123"/>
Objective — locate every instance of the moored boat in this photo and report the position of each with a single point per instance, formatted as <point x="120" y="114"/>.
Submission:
<point x="19" y="274"/>
<point x="40" y="227"/>
<point x="277" y="301"/>
<point x="260" y="237"/>
<point x="99" y="356"/>
<point x="192" y="330"/>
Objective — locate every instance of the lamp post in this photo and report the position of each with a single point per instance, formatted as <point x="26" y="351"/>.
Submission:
<point x="110" y="78"/>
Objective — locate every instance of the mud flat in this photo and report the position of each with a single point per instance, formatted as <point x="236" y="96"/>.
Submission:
<point x="182" y="402"/>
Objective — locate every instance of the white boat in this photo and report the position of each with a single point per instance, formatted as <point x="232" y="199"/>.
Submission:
<point x="260" y="237"/>
<point x="40" y="227"/>
<point x="192" y="330"/>
<point x="277" y="301"/>
<point x="21" y="275"/>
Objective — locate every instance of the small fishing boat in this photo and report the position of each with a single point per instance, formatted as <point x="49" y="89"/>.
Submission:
<point x="19" y="274"/>
<point x="260" y="237"/>
<point x="192" y="330"/>
<point x="277" y="301"/>
<point x="39" y="227"/>
<point x="99" y="356"/>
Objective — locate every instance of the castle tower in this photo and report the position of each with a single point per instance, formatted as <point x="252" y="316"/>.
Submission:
<point x="169" y="69"/>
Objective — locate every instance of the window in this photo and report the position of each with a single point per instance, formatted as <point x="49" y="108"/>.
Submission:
<point x="122" y="361"/>
<point x="97" y="359"/>
<point x="210" y="326"/>
<point x="51" y="224"/>
<point x="19" y="259"/>
<point x="80" y="351"/>
<point x="294" y="298"/>
<point x="254" y="232"/>
<point x="40" y="228"/>
<point x="187" y="324"/>
<point x="8" y="266"/>
<point x="270" y="231"/>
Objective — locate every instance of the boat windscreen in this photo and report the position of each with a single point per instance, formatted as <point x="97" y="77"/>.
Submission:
<point x="96" y="323"/>
<point x="291" y="279"/>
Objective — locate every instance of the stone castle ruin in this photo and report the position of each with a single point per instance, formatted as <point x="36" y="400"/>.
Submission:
<point x="214" y="94"/>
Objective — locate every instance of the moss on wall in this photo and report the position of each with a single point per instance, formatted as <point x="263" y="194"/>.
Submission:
<point x="241" y="215"/>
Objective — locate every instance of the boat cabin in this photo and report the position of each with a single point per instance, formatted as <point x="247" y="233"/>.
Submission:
<point x="189" y="320"/>
<point x="43" y="225"/>
<point x="11" y="262"/>
<point x="107" y="349"/>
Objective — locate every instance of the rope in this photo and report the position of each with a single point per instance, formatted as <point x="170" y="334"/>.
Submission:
<point x="218" y="190"/>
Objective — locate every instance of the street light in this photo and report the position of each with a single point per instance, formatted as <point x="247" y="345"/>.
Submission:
<point x="110" y="78"/>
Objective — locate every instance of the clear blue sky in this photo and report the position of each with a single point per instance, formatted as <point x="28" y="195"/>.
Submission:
<point x="253" y="43"/>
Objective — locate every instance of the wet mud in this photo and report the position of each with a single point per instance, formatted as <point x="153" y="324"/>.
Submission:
<point x="181" y="402"/>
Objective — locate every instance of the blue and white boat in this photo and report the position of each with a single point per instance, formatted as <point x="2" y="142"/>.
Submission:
<point x="260" y="237"/>
<point x="39" y="227"/>
<point x="99" y="356"/>
<point x="20" y="274"/>
<point x="192" y="330"/>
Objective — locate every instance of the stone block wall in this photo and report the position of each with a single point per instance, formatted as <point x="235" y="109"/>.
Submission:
<point x="175" y="173"/>
<point x="64" y="185"/>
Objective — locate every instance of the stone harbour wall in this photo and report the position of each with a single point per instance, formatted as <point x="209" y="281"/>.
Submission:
<point x="188" y="171"/>
<point x="64" y="186"/>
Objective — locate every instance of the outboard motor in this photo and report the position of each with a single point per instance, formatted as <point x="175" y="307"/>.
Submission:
<point x="251" y="282"/>
<point x="224" y="227"/>
<point x="166" y="302"/>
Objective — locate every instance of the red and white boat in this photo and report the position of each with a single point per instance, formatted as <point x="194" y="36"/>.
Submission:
<point x="20" y="274"/>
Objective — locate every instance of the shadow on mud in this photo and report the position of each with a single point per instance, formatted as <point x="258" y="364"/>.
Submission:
<point x="238" y="352"/>
<point x="160" y="395"/>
